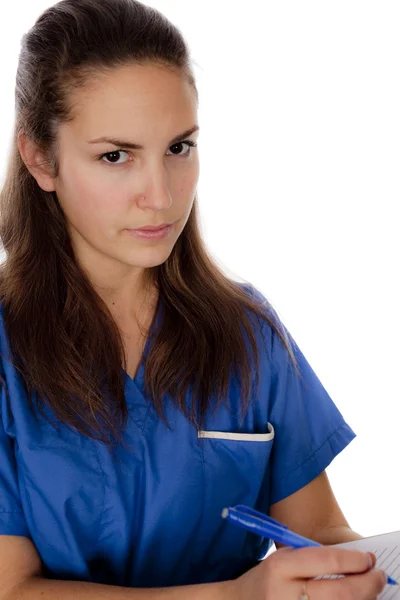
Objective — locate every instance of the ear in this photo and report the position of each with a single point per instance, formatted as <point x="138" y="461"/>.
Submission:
<point x="36" y="162"/>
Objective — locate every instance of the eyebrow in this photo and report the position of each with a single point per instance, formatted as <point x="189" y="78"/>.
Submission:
<point x="132" y="146"/>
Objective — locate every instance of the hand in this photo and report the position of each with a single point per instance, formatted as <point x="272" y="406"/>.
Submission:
<point x="288" y="573"/>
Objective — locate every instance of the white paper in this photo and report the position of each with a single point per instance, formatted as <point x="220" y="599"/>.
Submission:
<point x="386" y="548"/>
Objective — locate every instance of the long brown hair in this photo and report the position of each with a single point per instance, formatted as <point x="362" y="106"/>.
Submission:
<point x="64" y="340"/>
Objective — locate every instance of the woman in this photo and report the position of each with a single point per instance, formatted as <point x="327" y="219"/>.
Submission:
<point x="143" y="391"/>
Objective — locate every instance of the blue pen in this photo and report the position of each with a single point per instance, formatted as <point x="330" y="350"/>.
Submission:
<point x="261" y="524"/>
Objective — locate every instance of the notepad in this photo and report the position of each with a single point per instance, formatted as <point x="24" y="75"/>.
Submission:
<point x="386" y="548"/>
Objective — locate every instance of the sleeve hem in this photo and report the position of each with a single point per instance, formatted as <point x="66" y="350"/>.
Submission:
<point x="314" y="465"/>
<point x="13" y="523"/>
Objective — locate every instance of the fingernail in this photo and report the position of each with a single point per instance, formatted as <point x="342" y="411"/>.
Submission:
<point x="371" y="559"/>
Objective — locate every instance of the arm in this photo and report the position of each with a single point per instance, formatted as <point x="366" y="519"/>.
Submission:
<point x="314" y="512"/>
<point x="42" y="589"/>
<point x="277" y="578"/>
<point x="21" y="579"/>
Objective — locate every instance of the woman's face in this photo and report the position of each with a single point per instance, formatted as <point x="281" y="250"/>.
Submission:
<point x="125" y="163"/>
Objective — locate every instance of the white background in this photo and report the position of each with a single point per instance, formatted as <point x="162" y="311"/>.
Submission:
<point x="299" y="192"/>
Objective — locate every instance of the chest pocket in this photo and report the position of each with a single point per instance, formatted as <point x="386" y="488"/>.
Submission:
<point x="235" y="465"/>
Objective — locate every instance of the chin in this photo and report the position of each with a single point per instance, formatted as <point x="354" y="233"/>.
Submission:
<point x="150" y="259"/>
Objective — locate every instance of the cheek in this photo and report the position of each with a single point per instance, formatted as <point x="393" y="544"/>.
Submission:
<point x="194" y="174"/>
<point x="187" y="187"/>
<point x="88" y="200"/>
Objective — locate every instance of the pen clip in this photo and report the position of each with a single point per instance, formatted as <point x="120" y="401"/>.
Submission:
<point x="246" y="510"/>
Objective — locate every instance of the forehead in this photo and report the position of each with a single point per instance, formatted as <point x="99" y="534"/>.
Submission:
<point x="138" y="98"/>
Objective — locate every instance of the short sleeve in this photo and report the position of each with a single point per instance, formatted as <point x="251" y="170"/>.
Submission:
<point x="12" y="520"/>
<point x="309" y="429"/>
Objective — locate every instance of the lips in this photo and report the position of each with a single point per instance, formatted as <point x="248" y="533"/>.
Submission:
<point x="151" y="232"/>
<point x="152" y="227"/>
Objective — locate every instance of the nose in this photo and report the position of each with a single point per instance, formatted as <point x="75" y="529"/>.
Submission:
<point x="155" y="194"/>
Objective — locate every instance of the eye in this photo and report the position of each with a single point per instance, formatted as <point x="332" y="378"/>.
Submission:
<point x="114" y="157"/>
<point x="179" y="146"/>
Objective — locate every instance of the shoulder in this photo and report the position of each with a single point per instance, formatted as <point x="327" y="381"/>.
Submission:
<point x="258" y="301"/>
<point x="276" y="340"/>
<point x="11" y="383"/>
<point x="5" y="354"/>
<point x="6" y="372"/>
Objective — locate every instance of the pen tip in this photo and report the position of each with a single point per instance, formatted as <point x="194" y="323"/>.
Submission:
<point x="392" y="581"/>
<point x="224" y="513"/>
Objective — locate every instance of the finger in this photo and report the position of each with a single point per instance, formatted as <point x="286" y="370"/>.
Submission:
<point x="325" y="560"/>
<point x="363" y="587"/>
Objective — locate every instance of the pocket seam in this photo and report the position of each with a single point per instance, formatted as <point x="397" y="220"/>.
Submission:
<point x="238" y="437"/>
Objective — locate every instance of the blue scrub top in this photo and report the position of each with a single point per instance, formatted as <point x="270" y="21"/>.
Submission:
<point x="148" y="513"/>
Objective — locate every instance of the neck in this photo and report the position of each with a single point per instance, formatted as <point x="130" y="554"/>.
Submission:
<point x="131" y="301"/>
